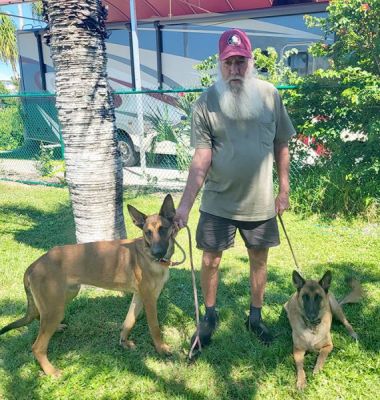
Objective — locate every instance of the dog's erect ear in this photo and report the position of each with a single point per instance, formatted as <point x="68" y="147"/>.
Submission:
<point x="138" y="217"/>
<point x="298" y="280"/>
<point x="325" y="282"/>
<point x="167" y="209"/>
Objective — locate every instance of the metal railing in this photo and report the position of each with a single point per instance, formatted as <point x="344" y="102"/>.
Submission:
<point x="153" y="128"/>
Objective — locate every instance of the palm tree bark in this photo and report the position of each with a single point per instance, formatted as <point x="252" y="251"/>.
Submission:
<point x="76" y="34"/>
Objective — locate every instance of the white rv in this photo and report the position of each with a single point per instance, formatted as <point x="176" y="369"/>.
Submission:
<point x="168" y="50"/>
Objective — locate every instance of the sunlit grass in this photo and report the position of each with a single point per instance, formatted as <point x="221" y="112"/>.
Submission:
<point x="236" y="366"/>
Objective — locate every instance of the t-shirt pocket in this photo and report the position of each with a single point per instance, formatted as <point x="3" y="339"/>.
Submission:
<point x="267" y="132"/>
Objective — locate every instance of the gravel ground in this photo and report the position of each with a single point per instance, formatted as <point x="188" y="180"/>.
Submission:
<point x="26" y="170"/>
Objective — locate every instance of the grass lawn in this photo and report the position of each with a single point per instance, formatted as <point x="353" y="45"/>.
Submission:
<point x="235" y="366"/>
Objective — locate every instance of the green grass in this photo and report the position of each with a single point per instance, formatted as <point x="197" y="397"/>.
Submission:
<point x="235" y="366"/>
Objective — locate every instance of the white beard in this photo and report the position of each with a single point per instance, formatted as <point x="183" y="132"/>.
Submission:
<point x="240" y="102"/>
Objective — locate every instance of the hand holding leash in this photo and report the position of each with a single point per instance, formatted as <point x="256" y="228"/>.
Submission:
<point x="282" y="202"/>
<point x="180" y="219"/>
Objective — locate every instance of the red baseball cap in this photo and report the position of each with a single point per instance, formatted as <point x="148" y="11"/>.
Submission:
<point x="234" y="42"/>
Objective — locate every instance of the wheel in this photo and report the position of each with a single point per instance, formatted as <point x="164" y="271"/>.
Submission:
<point x="127" y="151"/>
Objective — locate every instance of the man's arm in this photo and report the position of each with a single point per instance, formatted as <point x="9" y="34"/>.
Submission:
<point x="282" y="157"/>
<point x="197" y="174"/>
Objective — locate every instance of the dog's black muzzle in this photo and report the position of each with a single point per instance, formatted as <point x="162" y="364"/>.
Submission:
<point x="158" y="254"/>
<point x="313" y="321"/>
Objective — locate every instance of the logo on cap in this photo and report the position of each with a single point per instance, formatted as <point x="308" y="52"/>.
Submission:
<point x="234" y="40"/>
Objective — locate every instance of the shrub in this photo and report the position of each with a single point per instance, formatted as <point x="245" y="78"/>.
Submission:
<point x="339" y="107"/>
<point x="11" y="126"/>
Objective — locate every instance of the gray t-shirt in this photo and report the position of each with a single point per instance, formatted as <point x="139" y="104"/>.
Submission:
<point x="239" y="183"/>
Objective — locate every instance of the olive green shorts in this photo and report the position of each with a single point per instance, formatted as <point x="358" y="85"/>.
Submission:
<point x="217" y="233"/>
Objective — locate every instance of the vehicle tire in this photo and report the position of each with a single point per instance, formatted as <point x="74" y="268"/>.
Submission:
<point x="127" y="151"/>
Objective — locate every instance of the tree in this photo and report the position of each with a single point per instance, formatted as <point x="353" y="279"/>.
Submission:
<point x="8" y="46"/>
<point x="339" y="107"/>
<point x="354" y="24"/>
<point x="76" y="34"/>
<point x="37" y="9"/>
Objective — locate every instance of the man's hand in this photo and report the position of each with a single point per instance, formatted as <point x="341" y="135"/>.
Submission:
<point x="282" y="202"/>
<point x="198" y="170"/>
<point x="181" y="217"/>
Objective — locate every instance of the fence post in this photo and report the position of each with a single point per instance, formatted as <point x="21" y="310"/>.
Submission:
<point x="137" y="74"/>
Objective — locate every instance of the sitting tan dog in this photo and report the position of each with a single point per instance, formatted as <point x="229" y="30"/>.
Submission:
<point x="310" y="311"/>
<point x="139" y="266"/>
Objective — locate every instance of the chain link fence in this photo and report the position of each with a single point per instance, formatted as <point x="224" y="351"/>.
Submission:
<point x="153" y="131"/>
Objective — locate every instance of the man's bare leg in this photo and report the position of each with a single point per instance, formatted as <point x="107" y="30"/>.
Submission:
<point x="258" y="278"/>
<point x="209" y="283"/>
<point x="210" y="276"/>
<point x="258" y="275"/>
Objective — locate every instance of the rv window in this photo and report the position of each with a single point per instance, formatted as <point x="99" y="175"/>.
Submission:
<point x="173" y="42"/>
<point x="202" y="44"/>
<point x="299" y="62"/>
<point x="147" y="38"/>
<point x="190" y="41"/>
<point x="118" y="36"/>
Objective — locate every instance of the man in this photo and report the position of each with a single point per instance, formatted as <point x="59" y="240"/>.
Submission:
<point x="239" y="125"/>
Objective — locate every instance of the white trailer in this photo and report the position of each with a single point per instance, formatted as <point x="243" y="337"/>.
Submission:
<point x="168" y="49"/>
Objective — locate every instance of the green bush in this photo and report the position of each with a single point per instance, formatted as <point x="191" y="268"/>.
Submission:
<point x="340" y="108"/>
<point x="11" y="126"/>
<point x="354" y="24"/>
<point x="162" y="124"/>
<point x="44" y="161"/>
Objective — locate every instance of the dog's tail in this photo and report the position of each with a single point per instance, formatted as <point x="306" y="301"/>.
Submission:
<point x="31" y="312"/>
<point x="356" y="293"/>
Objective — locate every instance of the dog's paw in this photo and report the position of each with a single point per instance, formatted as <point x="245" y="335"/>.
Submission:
<point x="316" y="370"/>
<point x="57" y="373"/>
<point x="127" y="344"/>
<point x="354" y="335"/>
<point x="163" y="349"/>
<point x="301" y="384"/>
<point x="61" y="328"/>
<point x="301" y="380"/>
<point x="53" y="373"/>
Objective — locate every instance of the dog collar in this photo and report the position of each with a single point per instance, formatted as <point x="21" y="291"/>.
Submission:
<point x="168" y="263"/>
<point x="164" y="262"/>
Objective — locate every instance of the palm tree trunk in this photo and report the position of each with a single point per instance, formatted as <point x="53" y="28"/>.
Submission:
<point x="86" y="113"/>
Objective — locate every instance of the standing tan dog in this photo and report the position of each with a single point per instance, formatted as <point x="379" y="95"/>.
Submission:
<point x="139" y="266"/>
<point x="310" y="311"/>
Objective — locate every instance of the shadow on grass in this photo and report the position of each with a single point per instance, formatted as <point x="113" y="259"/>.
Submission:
<point x="237" y="359"/>
<point x="92" y="337"/>
<point x="48" y="229"/>
<point x="93" y="334"/>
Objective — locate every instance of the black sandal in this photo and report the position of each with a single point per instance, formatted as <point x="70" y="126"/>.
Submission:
<point x="207" y="327"/>
<point x="261" y="331"/>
